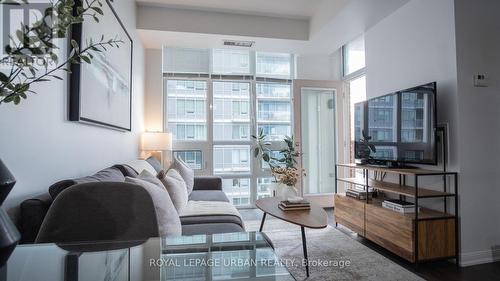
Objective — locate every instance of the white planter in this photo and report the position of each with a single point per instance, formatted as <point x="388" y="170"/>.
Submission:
<point x="283" y="191"/>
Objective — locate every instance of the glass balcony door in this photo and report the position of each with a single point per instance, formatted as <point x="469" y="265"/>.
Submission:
<point x="319" y="131"/>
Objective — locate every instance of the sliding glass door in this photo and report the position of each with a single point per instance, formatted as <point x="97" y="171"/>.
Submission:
<point x="319" y="135"/>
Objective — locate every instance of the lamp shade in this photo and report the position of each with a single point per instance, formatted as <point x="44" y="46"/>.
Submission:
<point x="156" y="141"/>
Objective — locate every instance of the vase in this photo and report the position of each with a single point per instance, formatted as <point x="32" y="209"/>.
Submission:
<point x="290" y="192"/>
<point x="9" y="236"/>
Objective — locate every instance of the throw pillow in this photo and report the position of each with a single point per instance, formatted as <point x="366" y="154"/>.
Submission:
<point x="169" y="223"/>
<point x="147" y="176"/>
<point x="186" y="173"/>
<point x="140" y="165"/>
<point x="176" y="187"/>
<point x="155" y="163"/>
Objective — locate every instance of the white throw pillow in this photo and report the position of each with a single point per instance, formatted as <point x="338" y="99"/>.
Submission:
<point x="176" y="187"/>
<point x="169" y="223"/>
<point x="186" y="173"/>
<point x="141" y="165"/>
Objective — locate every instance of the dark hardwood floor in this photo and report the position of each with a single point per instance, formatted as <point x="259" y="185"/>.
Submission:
<point x="433" y="271"/>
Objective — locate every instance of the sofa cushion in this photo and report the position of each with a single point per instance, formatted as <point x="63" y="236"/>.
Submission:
<point x="176" y="187"/>
<point x="207" y="183"/>
<point x="209" y="208"/>
<point x="210" y="228"/>
<point x="186" y="173"/>
<point x="208" y="195"/>
<point x="169" y="223"/>
<point x="107" y="175"/>
<point x="154" y="163"/>
<point x="212" y="219"/>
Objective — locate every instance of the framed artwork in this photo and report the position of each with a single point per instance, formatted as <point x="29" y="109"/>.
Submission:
<point x="101" y="92"/>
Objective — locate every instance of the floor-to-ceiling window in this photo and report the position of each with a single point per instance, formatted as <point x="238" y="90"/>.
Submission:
<point x="353" y="58"/>
<point x="215" y="100"/>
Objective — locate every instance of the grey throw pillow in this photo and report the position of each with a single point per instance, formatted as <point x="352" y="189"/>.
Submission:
<point x="169" y="223"/>
<point x="186" y="173"/>
<point x="147" y="176"/>
<point x="176" y="187"/>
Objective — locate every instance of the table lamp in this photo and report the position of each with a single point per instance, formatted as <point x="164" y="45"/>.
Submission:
<point x="155" y="143"/>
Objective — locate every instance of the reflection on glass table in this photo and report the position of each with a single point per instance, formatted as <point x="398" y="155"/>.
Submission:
<point x="229" y="256"/>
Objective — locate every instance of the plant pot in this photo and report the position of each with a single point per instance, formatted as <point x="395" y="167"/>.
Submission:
<point x="9" y="236"/>
<point x="289" y="192"/>
<point x="284" y="191"/>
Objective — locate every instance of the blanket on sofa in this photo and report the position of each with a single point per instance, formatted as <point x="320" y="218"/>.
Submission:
<point x="208" y="208"/>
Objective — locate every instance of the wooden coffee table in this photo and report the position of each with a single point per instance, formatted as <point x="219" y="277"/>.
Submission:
<point x="315" y="218"/>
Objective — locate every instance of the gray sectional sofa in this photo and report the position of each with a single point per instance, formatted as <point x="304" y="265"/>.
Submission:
<point x="33" y="211"/>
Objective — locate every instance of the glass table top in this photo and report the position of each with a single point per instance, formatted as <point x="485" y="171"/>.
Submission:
<point x="228" y="256"/>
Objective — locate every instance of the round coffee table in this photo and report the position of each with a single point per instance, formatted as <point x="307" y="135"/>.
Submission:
<point x="315" y="218"/>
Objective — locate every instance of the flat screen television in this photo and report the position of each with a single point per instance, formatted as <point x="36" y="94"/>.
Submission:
<point x="400" y="128"/>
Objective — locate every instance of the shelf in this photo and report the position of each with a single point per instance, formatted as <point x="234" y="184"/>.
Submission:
<point x="408" y="172"/>
<point x="424" y="214"/>
<point x="396" y="188"/>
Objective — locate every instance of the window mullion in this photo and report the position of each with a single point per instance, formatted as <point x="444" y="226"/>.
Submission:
<point x="210" y="128"/>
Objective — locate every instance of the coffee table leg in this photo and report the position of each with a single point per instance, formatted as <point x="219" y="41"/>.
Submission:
<point x="304" y="247"/>
<point x="262" y="222"/>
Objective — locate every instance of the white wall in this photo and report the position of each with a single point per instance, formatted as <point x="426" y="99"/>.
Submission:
<point x="318" y="67"/>
<point x="40" y="146"/>
<point x="417" y="44"/>
<point x="403" y="51"/>
<point x="478" y="43"/>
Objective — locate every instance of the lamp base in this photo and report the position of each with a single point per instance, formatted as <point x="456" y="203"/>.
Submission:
<point x="158" y="155"/>
<point x="9" y="237"/>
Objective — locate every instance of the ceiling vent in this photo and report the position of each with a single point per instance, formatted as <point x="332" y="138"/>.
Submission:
<point x="244" y="44"/>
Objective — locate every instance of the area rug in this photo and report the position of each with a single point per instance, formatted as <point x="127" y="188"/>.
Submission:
<point x="333" y="255"/>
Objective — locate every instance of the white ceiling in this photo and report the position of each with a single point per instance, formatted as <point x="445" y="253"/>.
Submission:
<point x="301" y="9"/>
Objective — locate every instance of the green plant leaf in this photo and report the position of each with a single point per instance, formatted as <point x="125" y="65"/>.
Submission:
<point x="98" y="10"/>
<point x="74" y="44"/>
<point x="86" y="59"/>
<point x="4" y="77"/>
<point x="265" y="157"/>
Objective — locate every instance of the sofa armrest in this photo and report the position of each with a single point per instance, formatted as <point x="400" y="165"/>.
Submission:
<point x="32" y="214"/>
<point x="207" y="183"/>
<point x="100" y="211"/>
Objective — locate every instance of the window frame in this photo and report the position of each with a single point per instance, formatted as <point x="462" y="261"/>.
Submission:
<point x="348" y="78"/>
<point x="356" y="74"/>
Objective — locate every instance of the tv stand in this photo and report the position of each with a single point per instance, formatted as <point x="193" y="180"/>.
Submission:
<point x="428" y="234"/>
<point x="388" y="165"/>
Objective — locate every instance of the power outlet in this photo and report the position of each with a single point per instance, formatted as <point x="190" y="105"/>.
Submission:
<point x="480" y="80"/>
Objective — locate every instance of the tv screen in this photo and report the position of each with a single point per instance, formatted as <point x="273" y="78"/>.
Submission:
<point x="399" y="127"/>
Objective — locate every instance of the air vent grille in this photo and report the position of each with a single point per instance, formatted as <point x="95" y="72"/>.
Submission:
<point x="244" y="44"/>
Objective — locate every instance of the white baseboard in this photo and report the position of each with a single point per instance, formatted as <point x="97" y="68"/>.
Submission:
<point x="479" y="257"/>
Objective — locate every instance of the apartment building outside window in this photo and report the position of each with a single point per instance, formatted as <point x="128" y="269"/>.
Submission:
<point x="213" y="112"/>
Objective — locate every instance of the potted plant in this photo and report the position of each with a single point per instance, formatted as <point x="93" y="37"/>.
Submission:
<point x="365" y="148"/>
<point x="284" y="169"/>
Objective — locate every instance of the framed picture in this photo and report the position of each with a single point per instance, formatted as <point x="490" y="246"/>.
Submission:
<point x="101" y="92"/>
